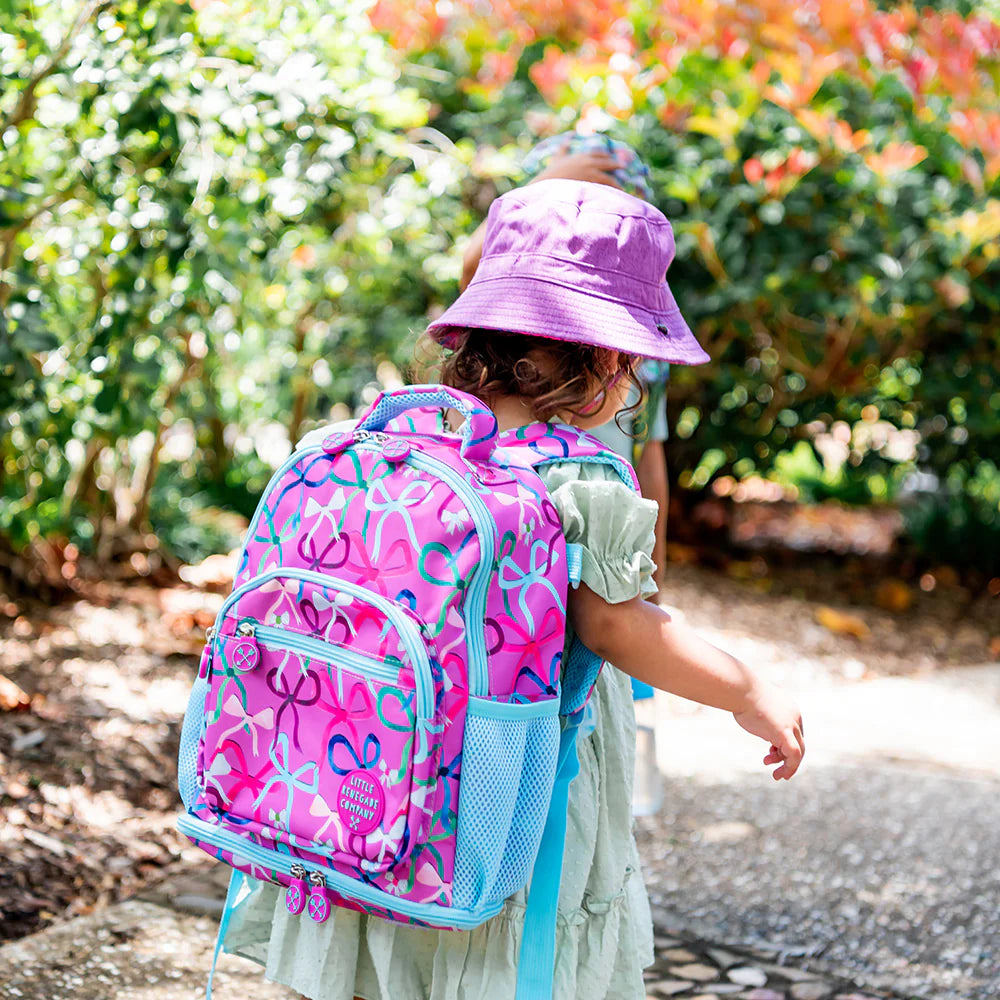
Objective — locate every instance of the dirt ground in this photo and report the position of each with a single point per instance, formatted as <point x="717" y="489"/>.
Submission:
<point x="87" y="769"/>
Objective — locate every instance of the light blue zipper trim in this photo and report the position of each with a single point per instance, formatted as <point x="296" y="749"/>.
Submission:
<point x="328" y="652"/>
<point x="198" y="829"/>
<point x="486" y="708"/>
<point x="293" y="459"/>
<point x="412" y="641"/>
<point x="479" y="680"/>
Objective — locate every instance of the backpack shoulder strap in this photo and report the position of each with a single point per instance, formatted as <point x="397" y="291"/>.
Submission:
<point x="538" y="445"/>
<point x="536" y="961"/>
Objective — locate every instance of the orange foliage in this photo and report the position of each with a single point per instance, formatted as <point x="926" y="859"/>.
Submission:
<point x="783" y="175"/>
<point x="977" y="129"/>
<point x="896" y="156"/>
<point x="932" y="52"/>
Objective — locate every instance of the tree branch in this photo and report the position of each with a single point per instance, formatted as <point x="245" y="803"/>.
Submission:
<point x="28" y="101"/>
<point x="10" y="234"/>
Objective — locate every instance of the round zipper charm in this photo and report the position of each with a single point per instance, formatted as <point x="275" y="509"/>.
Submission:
<point x="296" y="893"/>
<point x="395" y="450"/>
<point x="244" y="655"/>
<point x="318" y="904"/>
<point x="335" y="442"/>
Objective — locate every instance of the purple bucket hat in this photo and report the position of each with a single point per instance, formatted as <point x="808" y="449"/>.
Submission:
<point x="581" y="262"/>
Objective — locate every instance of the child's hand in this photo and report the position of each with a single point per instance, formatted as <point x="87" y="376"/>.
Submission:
<point x="774" y="717"/>
<point x="595" y="167"/>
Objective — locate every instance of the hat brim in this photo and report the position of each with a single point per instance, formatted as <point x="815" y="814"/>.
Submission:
<point x="546" y="309"/>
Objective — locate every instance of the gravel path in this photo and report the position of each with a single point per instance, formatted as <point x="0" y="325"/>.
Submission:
<point x="880" y="861"/>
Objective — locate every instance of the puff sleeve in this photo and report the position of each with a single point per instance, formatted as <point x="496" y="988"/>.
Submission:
<point x="613" y="524"/>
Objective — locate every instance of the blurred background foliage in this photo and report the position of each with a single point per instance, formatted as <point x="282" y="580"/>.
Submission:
<point x="221" y="223"/>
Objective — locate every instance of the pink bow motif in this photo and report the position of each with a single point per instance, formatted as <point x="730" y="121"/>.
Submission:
<point x="264" y="718"/>
<point x="379" y="500"/>
<point x="398" y="561"/>
<point x="429" y="876"/>
<point x="286" y="592"/>
<point x="527" y="508"/>
<point x="312" y="612"/>
<point x="392" y="886"/>
<point x="383" y="839"/>
<point x="358" y="707"/>
<point x="244" y="777"/>
<point x="327" y="512"/>
<point x="531" y="644"/>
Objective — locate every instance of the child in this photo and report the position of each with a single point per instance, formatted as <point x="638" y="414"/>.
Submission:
<point x="568" y="296"/>
<point x="603" y="160"/>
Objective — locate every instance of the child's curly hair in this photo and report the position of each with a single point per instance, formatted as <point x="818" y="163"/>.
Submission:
<point x="556" y="375"/>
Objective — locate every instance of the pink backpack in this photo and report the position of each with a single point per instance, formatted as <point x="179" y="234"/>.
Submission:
<point x="376" y="718"/>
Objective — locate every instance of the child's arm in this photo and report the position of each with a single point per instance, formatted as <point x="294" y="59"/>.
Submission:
<point x="643" y="640"/>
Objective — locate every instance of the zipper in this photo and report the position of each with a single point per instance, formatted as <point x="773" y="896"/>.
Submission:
<point x="485" y="529"/>
<point x="375" y="437"/>
<point x="328" y="652"/>
<point x="413" y="643"/>
<point x="219" y="837"/>
<point x="292" y="460"/>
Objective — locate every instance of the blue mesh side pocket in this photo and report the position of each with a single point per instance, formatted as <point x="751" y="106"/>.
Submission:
<point x="187" y="755"/>
<point x="508" y="767"/>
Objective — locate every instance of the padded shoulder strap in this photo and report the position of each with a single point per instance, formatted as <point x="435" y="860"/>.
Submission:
<point x="536" y="962"/>
<point x="538" y="445"/>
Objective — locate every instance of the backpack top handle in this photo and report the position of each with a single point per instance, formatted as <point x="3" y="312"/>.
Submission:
<point x="478" y="433"/>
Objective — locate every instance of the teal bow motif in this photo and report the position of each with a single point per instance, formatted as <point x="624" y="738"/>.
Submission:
<point x="292" y="780"/>
<point x="512" y="577"/>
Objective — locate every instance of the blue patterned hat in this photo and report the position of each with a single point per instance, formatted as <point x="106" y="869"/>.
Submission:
<point x="632" y="175"/>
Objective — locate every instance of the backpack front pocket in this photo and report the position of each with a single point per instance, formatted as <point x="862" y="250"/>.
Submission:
<point x="317" y="746"/>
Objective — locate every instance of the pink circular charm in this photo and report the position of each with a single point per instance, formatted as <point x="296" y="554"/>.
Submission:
<point x="295" y="897"/>
<point x="396" y="450"/>
<point x="360" y="802"/>
<point x="337" y="441"/>
<point x="244" y="656"/>
<point x="318" y="904"/>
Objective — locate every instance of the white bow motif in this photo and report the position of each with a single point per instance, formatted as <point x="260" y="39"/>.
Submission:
<point x="264" y="718"/>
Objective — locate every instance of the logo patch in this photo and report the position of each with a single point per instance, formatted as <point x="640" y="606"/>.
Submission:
<point x="360" y="802"/>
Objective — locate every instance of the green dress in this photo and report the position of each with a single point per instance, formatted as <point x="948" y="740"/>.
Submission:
<point x="604" y="930"/>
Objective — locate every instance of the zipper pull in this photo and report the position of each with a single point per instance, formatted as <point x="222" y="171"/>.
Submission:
<point x="205" y="664"/>
<point x="376" y="437"/>
<point x="241" y="650"/>
<point x="319" y="900"/>
<point x="295" y="894"/>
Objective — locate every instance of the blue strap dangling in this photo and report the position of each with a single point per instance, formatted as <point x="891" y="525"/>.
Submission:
<point x="536" y="965"/>
<point x="236" y="882"/>
<point x="641" y="690"/>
